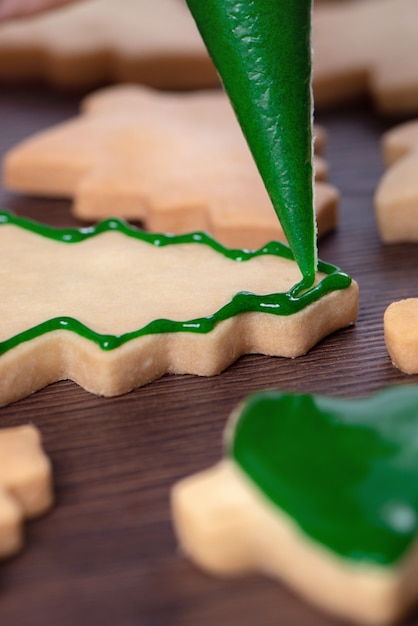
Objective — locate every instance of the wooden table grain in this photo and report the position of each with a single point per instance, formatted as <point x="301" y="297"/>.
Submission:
<point x="106" y="555"/>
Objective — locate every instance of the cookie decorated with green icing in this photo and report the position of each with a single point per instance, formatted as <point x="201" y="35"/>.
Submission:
<point x="318" y="491"/>
<point x="113" y="308"/>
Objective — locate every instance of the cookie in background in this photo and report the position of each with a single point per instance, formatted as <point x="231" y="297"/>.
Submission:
<point x="88" y="43"/>
<point x="174" y="162"/>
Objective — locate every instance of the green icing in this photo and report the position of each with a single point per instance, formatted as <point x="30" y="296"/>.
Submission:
<point x="276" y="303"/>
<point x="262" y="51"/>
<point x="345" y="471"/>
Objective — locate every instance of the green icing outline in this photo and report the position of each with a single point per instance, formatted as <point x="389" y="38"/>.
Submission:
<point x="344" y="471"/>
<point x="243" y="302"/>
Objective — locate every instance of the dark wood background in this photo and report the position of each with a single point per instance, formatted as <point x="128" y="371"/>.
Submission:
<point x="106" y="554"/>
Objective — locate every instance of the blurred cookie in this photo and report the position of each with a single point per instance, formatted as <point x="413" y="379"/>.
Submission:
<point x="25" y="484"/>
<point x="367" y="47"/>
<point x="396" y="197"/>
<point x="176" y="162"/>
<point x="401" y="334"/>
<point x="319" y="492"/>
<point x="93" y="42"/>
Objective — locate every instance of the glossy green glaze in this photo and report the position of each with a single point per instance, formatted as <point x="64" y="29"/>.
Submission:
<point x="345" y="471"/>
<point x="275" y="304"/>
<point x="262" y="51"/>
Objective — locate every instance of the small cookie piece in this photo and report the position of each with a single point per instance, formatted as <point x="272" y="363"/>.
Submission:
<point x="113" y="308"/>
<point x="86" y="44"/>
<point x="177" y="162"/>
<point x="400" y="324"/>
<point x="25" y="484"/>
<point x="319" y="492"/>
<point x="396" y="197"/>
<point x="367" y="47"/>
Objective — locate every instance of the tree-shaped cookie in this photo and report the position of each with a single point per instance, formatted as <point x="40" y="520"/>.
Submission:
<point x="25" y="484"/>
<point x="319" y="492"/>
<point x="396" y="198"/>
<point x="177" y="162"/>
<point x="367" y="47"/>
<point x="86" y="44"/>
<point x="112" y="307"/>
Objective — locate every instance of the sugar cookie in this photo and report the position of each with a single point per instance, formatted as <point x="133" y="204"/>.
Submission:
<point x="177" y="162"/>
<point x="319" y="492"/>
<point x="88" y="43"/>
<point x="112" y="307"/>
<point x="25" y="484"/>
<point x="367" y="47"/>
<point x="396" y="197"/>
<point x="401" y="334"/>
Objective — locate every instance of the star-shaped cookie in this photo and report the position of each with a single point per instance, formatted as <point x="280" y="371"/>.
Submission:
<point x="25" y="484"/>
<point x="396" y="197"/>
<point x="177" y="162"/>
<point x="89" y="43"/>
<point x="112" y="307"/>
<point x="367" y="47"/>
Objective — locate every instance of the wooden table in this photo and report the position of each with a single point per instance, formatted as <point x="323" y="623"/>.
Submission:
<point x="106" y="555"/>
